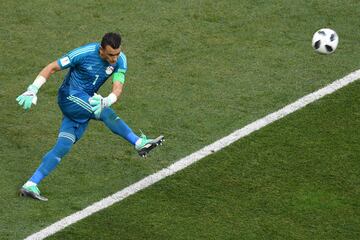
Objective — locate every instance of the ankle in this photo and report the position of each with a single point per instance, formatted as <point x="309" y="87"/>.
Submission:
<point x="29" y="184"/>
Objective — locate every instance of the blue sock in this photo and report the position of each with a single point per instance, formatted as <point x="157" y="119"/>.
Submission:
<point x="52" y="159"/>
<point x="118" y="126"/>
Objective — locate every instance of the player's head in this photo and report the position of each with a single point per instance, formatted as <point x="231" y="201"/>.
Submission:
<point x="110" y="47"/>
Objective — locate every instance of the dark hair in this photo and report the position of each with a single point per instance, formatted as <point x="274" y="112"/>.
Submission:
<point x="112" y="39"/>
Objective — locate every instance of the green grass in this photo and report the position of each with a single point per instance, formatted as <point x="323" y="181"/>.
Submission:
<point x="295" y="179"/>
<point x="212" y="67"/>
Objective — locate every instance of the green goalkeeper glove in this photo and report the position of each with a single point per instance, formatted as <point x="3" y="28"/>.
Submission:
<point x="98" y="103"/>
<point x="29" y="97"/>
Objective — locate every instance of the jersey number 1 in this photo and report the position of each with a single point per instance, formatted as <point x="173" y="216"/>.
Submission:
<point x="96" y="78"/>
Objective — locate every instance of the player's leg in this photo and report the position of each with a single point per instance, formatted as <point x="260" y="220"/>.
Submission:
<point x="142" y="144"/>
<point x="118" y="126"/>
<point x="49" y="162"/>
<point x="71" y="131"/>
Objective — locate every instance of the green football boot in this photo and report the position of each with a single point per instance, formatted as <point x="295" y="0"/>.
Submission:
<point x="32" y="192"/>
<point x="146" y="145"/>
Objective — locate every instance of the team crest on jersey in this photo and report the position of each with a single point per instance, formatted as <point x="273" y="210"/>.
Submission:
<point x="109" y="70"/>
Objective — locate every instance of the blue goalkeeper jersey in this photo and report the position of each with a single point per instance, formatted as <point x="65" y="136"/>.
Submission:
<point x="88" y="71"/>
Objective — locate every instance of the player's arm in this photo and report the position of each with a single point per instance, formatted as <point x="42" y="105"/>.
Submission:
<point x="117" y="89"/>
<point x="29" y="97"/>
<point x="50" y="69"/>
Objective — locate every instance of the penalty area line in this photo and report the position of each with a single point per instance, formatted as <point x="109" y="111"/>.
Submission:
<point x="194" y="157"/>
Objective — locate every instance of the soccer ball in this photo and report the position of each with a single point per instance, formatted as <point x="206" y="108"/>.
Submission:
<point x="325" y="41"/>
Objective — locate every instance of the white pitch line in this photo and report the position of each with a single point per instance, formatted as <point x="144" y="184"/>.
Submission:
<point x="194" y="157"/>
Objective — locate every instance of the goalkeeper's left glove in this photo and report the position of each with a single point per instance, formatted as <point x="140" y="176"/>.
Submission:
<point x="29" y="97"/>
<point x="98" y="103"/>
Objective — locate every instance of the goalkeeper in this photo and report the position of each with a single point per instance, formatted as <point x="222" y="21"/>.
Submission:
<point x="89" y="67"/>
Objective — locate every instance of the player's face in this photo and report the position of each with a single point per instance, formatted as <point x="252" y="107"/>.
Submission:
<point x="110" y="54"/>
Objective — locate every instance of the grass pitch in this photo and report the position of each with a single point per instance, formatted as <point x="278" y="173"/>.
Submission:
<point x="197" y="71"/>
<point x="295" y="179"/>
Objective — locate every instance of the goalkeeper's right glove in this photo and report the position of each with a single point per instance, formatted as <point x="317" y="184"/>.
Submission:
<point x="29" y="97"/>
<point x="98" y="103"/>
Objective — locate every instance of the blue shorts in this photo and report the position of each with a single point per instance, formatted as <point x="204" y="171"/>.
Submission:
<point x="77" y="113"/>
<point x="75" y="106"/>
